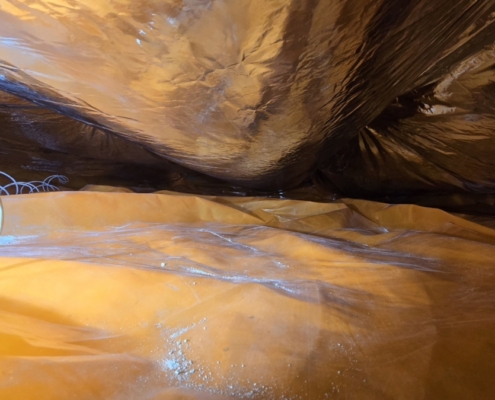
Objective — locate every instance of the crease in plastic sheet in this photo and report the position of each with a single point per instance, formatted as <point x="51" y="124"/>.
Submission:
<point x="178" y="296"/>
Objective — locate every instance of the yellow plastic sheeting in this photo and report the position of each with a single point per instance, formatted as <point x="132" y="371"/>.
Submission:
<point x="114" y="295"/>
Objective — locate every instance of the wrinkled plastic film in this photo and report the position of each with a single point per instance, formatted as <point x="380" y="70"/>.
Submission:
<point x="437" y="139"/>
<point x="253" y="93"/>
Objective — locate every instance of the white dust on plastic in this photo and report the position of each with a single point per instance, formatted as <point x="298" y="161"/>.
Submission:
<point x="189" y="372"/>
